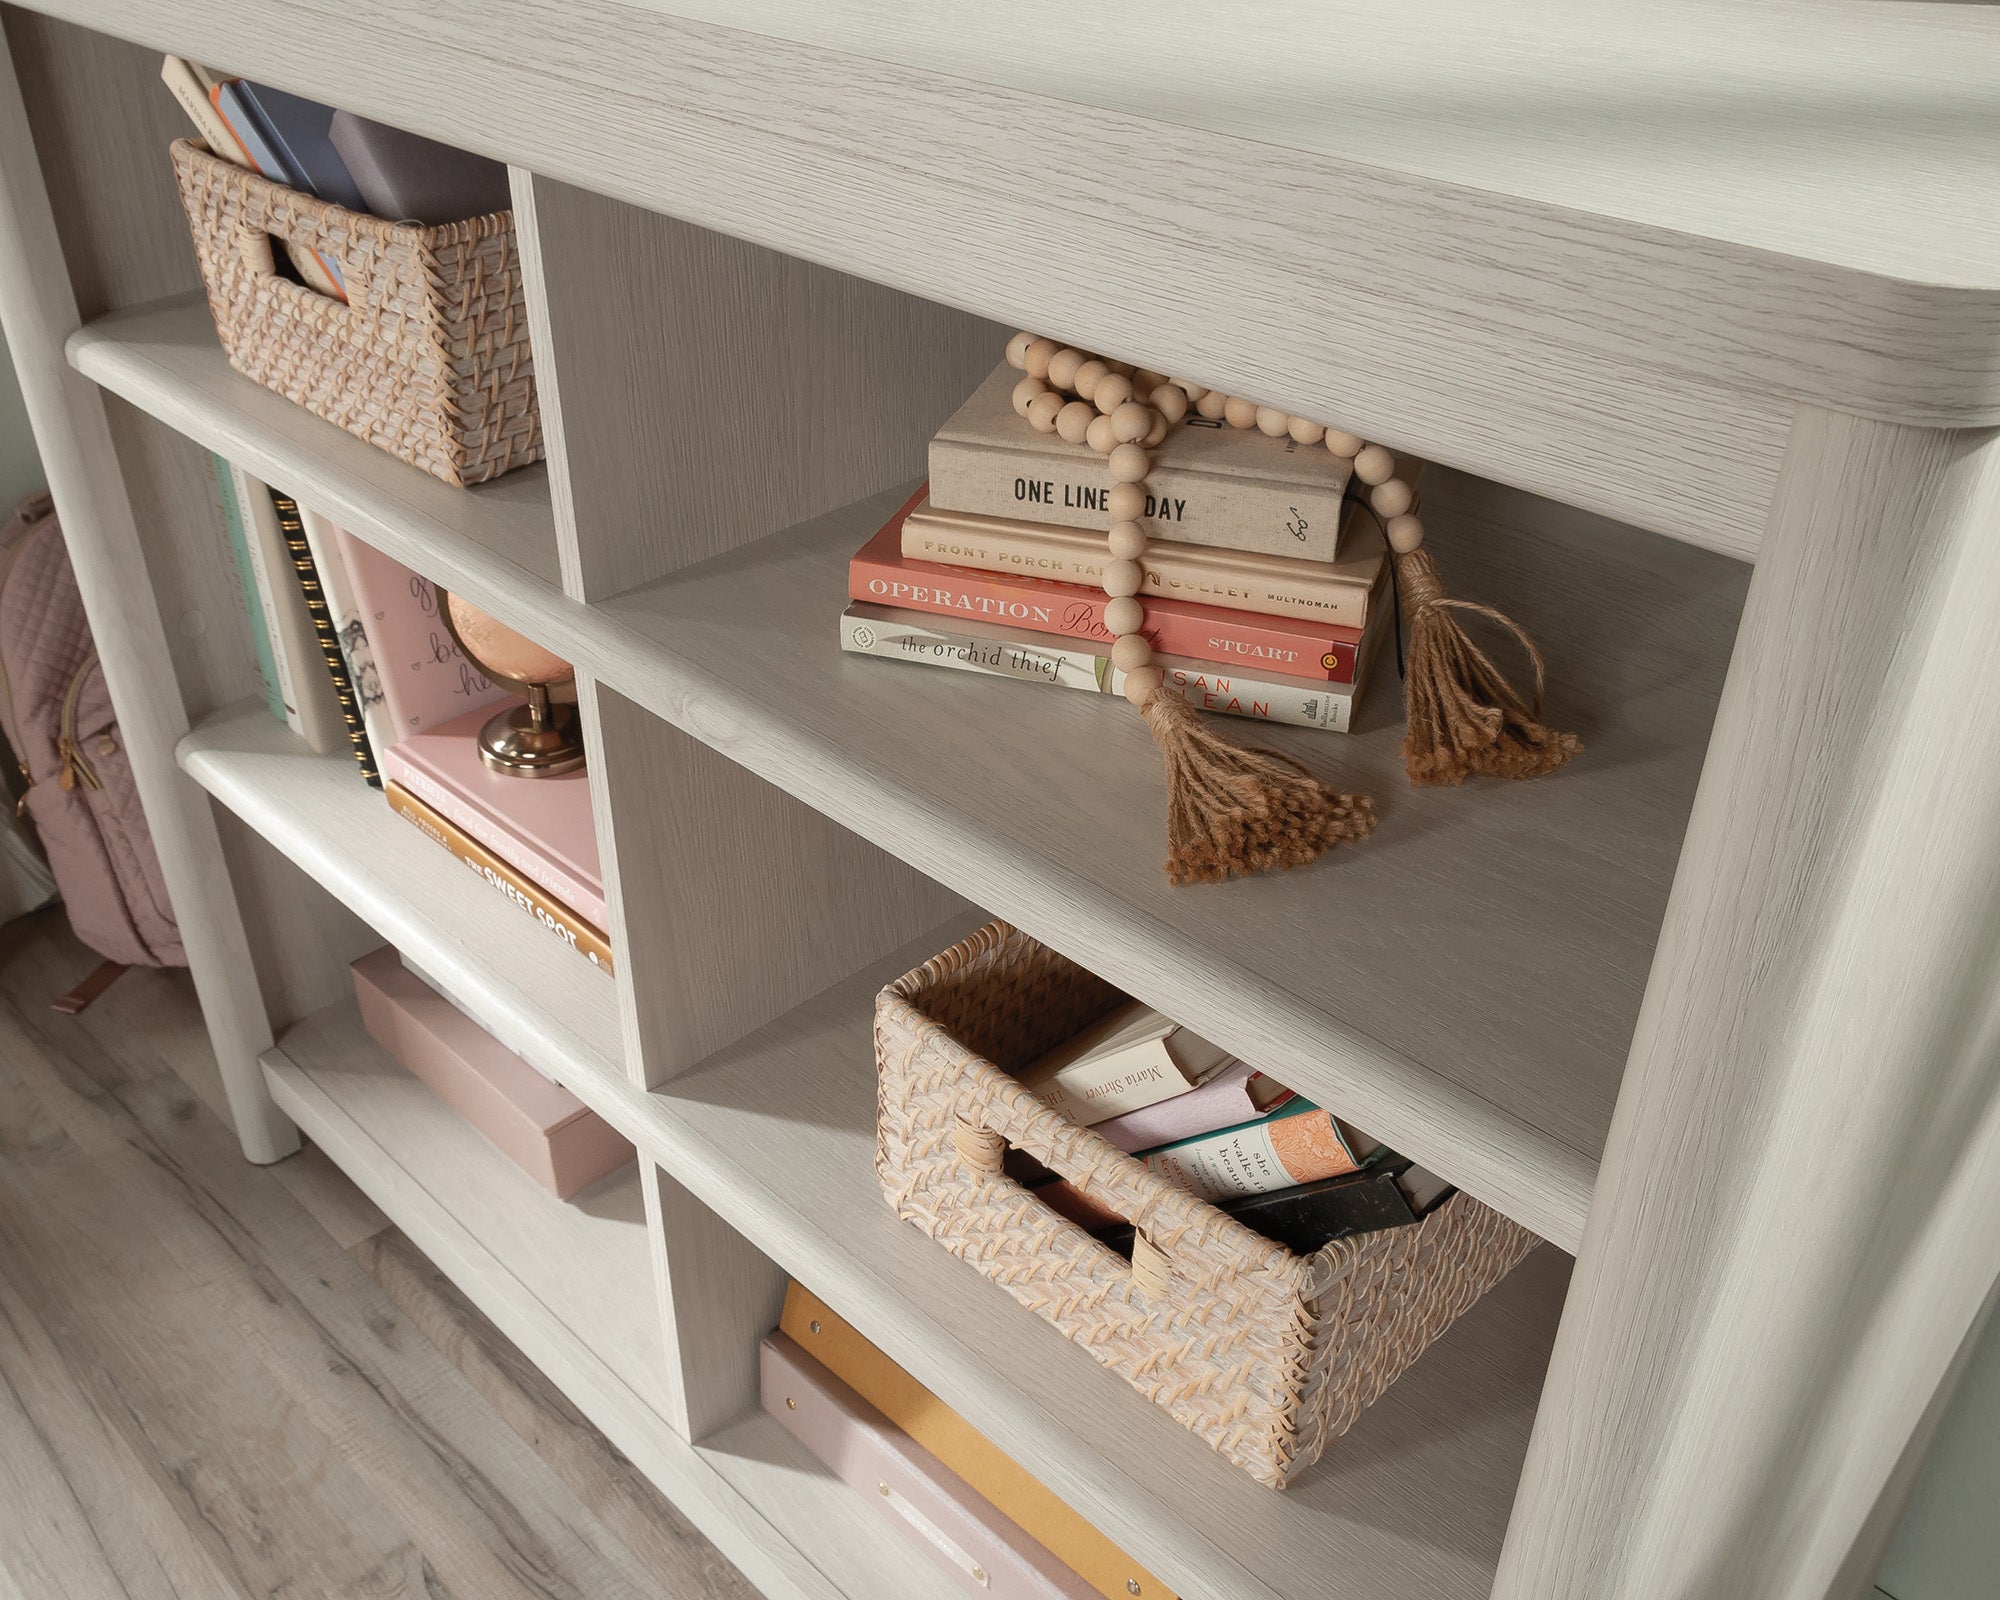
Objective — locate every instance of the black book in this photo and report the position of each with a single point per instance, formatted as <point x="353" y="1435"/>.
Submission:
<point x="292" y="526"/>
<point x="1312" y="1215"/>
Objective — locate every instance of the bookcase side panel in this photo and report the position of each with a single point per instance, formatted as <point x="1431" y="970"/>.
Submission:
<point x="699" y="392"/>
<point x="730" y="901"/>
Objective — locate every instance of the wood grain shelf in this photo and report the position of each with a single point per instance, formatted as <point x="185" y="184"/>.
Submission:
<point x="1464" y="984"/>
<point x="544" y="1002"/>
<point x="777" y="1134"/>
<point x="495" y="543"/>
<point x="571" y="1283"/>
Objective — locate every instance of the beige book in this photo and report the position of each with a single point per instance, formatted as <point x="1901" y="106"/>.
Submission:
<point x="1131" y="1059"/>
<point x="1336" y="591"/>
<point x="1211" y="484"/>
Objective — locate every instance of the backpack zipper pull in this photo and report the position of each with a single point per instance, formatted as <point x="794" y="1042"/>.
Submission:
<point x="74" y="766"/>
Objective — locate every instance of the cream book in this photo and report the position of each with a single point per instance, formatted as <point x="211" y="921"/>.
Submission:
<point x="1131" y="1059"/>
<point x="1211" y="484"/>
<point x="1338" y="591"/>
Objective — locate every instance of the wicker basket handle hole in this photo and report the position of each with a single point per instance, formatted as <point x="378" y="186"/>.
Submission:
<point x="272" y="255"/>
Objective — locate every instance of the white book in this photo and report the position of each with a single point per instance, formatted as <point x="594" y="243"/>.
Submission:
<point x="310" y="704"/>
<point x="1133" y="1058"/>
<point x="350" y="627"/>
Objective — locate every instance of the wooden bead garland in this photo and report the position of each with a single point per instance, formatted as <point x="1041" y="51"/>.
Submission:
<point x="1233" y="810"/>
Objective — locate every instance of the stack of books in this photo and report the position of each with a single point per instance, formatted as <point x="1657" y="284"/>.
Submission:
<point x="1220" y="1129"/>
<point x="354" y="655"/>
<point x="1266" y="588"/>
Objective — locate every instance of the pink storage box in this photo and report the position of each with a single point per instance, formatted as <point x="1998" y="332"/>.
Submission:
<point x="928" y="1503"/>
<point x="543" y="1128"/>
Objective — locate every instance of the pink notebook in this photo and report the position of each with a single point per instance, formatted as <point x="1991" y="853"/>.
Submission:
<point x="424" y="676"/>
<point x="1225" y="1100"/>
<point x="539" y="826"/>
<point x="543" y="1128"/>
<point x="922" y="1498"/>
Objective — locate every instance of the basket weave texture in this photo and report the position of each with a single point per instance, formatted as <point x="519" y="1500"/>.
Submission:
<point x="1266" y="1355"/>
<point x="428" y="359"/>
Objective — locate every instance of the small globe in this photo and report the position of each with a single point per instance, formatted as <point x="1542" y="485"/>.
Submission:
<point x="503" y="653"/>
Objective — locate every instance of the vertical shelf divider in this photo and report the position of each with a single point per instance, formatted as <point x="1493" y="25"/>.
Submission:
<point x="699" y="393"/>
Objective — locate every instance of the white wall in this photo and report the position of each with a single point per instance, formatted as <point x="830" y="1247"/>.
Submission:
<point x="20" y="467"/>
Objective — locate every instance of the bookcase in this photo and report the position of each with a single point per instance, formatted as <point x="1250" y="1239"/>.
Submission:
<point x="1710" y="1011"/>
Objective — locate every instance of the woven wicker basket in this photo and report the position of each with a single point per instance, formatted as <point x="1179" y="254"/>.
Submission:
<point x="1264" y="1354"/>
<point x="428" y="359"/>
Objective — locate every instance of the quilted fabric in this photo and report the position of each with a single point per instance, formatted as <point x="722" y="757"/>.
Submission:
<point x="94" y="830"/>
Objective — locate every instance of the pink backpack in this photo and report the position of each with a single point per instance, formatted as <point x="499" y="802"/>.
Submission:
<point x="58" y="718"/>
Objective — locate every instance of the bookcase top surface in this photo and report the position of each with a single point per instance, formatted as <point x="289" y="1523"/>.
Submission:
<point x="1854" y="133"/>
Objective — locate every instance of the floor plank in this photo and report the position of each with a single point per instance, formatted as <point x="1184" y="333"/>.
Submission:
<point x="206" y="1391"/>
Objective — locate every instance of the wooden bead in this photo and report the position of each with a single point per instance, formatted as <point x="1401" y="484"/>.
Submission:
<point x="1129" y="463"/>
<point x="1239" y="413"/>
<point x="1306" y="432"/>
<point x="1211" y="403"/>
<point x="1042" y="411"/>
<point x="1343" y="445"/>
<point x="1156" y="435"/>
<point x="1124" y="615"/>
<point x="1017" y="350"/>
<point x="1112" y="391"/>
<point x="1099" y="435"/>
<point x="1126" y="541"/>
<point x="1074" y="419"/>
<point x="1131" y="422"/>
<point x="1062" y="367"/>
<point x="1171" y="402"/>
<point x="1122" y="578"/>
<point x="1084" y="384"/>
<point x="1405" y="533"/>
<point x="1373" y="465"/>
<point x="1131" y="652"/>
<point x="1035" y="360"/>
<point x="1272" y="423"/>
<point x="1187" y="386"/>
<point x="1392" y="499"/>
<point x="1140" y="684"/>
<point x="1026" y="390"/>
<point x="1126" y="502"/>
<point x="1146" y="380"/>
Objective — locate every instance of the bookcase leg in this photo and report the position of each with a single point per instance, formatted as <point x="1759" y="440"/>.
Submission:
<point x="1793" y="1228"/>
<point x="38" y="312"/>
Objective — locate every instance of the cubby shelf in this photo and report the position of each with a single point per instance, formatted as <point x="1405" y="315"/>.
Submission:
<point x="1464" y="984"/>
<point x="571" y="1283"/>
<point x="507" y="971"/>
<point x="776" y="1133"/>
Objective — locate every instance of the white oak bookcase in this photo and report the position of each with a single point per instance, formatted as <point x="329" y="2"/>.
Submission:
<point x="1700" y="314"/>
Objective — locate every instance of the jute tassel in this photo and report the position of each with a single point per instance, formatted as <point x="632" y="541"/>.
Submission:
<point x="1464" y="717"/>
<point x="1233" y="810"/>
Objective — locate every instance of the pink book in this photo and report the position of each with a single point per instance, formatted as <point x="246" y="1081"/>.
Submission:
<point x="1235" y="1094"/>
<point x="424" y="677"/>
<point x="541" y="827"/>
<point x="922" y="1498"/>
<point x="1299" y="647"/>
<point x="539" y="1125"/>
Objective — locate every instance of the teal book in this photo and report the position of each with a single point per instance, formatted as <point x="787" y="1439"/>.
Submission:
<point x="246" y="575"/>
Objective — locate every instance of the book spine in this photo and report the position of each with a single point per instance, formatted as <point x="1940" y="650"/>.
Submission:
<point x="1226" y="510"/>
<point x="550" y="912"/>
<point x="1030" y="661"/>
<point x="238" y="118"/>
<point x="250" y="582"/>
<point x="283" y="615"/>
<point x="184" y="78"/>
<point x="292" y="526"/>
<point x="496" y="841"/>
<point x="1171" y="571"/>
<point x="1173" y="628"/>
<point x="1297" y="1145"/>
<point x="1088" y="1092"/>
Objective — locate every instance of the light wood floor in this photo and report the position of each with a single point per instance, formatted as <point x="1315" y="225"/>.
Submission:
<point x="223" y="1381"/>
